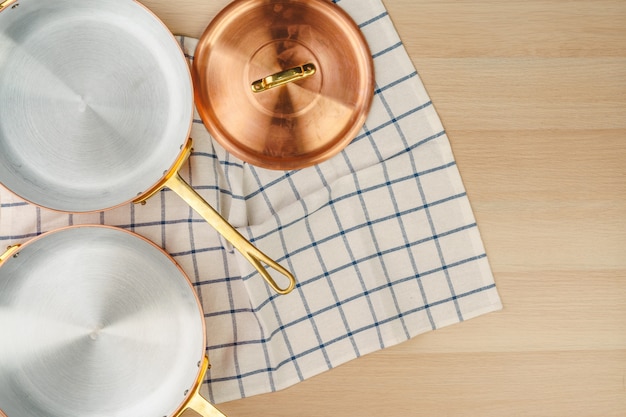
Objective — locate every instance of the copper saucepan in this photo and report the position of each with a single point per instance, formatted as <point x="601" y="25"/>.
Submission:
<point x="97" y="321"/>
<point x="97" y="106"/>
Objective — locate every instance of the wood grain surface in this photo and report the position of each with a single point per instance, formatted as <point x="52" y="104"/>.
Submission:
<point x="533" y="97"/>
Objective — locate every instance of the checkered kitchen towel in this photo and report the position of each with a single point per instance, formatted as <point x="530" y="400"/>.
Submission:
<point x="381" y="238"/>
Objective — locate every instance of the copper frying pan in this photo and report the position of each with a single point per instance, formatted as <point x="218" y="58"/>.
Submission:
<point x="97" y="105"/>
<point x="98" y="321"/>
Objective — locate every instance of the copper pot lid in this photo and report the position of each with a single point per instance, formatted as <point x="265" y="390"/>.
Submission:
<point x="283" y="84"/>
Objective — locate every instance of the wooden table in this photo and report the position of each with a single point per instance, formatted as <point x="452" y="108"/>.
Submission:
<point x="533" y="97"/>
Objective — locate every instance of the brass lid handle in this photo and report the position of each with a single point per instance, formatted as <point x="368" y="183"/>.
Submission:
<point x="283" y="77"/>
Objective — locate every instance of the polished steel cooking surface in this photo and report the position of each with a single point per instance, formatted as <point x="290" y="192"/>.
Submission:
<point x="96" y="322"/>
<point x="88" y="91"/>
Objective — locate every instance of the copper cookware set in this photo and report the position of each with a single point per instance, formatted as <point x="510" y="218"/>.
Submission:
<point x="97" y="104"/>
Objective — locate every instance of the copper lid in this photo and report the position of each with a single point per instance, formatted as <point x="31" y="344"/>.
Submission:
<point x="283" y="84"/>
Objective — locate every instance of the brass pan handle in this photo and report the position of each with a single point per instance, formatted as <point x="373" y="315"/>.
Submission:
<point x="176" y="183"/>
<point x="197" y="402"/>
<point x="11" y="251"/>
<point x="7" y="3"/>
<point x="249" y="251"/>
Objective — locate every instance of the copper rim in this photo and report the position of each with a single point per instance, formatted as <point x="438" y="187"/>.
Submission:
<point x="283" y="84"/>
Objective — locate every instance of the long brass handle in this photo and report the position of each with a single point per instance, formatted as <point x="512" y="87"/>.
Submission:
<point x="197" y="402"/>
<point x="283" y="77"/>
<point x="174" y="181"/>
<point x="249" y="251"/>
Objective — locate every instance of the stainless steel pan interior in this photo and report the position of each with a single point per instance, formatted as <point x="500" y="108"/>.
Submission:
<point x="94" y="110"/>
<point x="96" y="321"/>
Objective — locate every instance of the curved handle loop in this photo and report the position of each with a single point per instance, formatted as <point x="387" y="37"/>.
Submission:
<point x="249" y="251"/>
<point x="255" y="257"/>
<point x="176" y="183"/>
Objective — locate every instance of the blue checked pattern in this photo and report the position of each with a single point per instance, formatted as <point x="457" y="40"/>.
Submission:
<point x="381" y="238"/>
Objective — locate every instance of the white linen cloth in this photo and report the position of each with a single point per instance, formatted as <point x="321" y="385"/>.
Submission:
<point x="381" y="238"/>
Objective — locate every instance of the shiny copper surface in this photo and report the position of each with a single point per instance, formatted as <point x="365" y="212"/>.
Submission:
<point x="297" y="122"/>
